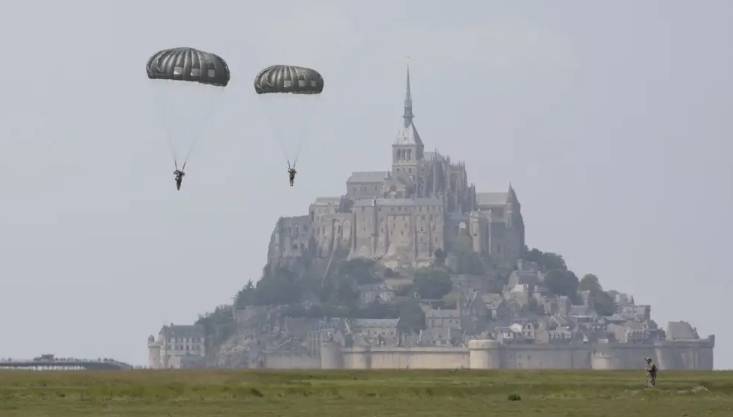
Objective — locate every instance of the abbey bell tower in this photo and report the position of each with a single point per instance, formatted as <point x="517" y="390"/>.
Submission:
<point x="407" y="150"/>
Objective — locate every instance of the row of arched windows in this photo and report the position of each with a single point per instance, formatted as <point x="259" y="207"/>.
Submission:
<point x="404" y="155"/>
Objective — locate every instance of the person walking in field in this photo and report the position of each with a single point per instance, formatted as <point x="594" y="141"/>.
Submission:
<point x="651" y="373"/>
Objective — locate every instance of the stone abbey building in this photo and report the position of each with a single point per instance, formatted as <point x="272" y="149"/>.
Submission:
<point x="401" y="217"/>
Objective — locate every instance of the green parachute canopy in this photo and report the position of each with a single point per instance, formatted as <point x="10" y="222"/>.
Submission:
<point x="188" y="64"/>
<point x="288" y="79"/>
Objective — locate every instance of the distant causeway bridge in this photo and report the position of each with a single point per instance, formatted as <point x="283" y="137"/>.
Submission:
<point x="51" y="363"/>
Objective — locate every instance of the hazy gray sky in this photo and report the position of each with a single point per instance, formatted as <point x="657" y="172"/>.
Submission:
<point x="611" y="119"/>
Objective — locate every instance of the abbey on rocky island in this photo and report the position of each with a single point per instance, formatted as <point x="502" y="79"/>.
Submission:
<point x="403" y="216"/>
<point x="412" y="268"/>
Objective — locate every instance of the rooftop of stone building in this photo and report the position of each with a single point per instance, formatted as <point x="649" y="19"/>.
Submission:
<point x="407" y="135"/>
<point x="442" y="313"/>
<point x="325" y="201"/>
<point x="580" y="311"/>
<point x="397" y="202"/>
<point x="182" y="330"/>
<point x="375" y="322"/>
<point x="294" y="220"/>
<point x="380" y="286"/>
<point x="368" y="176"/>
<point x="492" y="300"/>
<point x="524" y="277"/>
<point x="681" y="330"/>
<point x="491" y="198"/>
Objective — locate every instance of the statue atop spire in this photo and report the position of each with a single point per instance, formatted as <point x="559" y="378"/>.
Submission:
<point x="408" y="115"/>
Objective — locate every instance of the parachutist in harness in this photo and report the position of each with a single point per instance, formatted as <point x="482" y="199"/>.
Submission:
<point x="279" y="81"/>
<point x="291" y="173"/>
<point x="202" y="70"/>
<point x="179" y="177"/>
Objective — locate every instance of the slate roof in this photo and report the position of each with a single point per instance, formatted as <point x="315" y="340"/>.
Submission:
<point x="681" y="330"/>
<point x="388" y="323"/>
<point x="183" y="331"/>
<point x="325" y="201"/>
<point x="368" y="176"/>
<point x="491" y="199"/>
<point x="399" y="202"/>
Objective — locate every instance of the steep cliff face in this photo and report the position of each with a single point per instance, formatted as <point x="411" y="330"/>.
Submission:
<point x="291" y="241"/>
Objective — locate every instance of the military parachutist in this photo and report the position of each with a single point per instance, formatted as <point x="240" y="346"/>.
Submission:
<point x="203" y="69"/>
<point x="179" y="178"/>
<point x="284" y="82"/>
<point x="291" y="173"/>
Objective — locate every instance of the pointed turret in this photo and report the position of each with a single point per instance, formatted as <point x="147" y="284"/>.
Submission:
<point x="512" y="196"/>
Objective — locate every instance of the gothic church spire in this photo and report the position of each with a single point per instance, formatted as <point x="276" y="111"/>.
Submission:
<point x="408" y="134"/>
<point x="408" y="115"/>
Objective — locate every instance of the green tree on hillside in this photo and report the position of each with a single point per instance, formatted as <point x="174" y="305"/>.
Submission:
<point x="360" y="270"/>
<point x="432" y="283"/>
<point x="603" y="303"/>
<point x="562" y="282"/>
<point x="218" y="325"/>
<point x="547" y="261"/>
<point x="412" y="318"/>
<point x="277" y="286"/>
<point x="590" y="282"/>
<point x="378" y="310"/>
<point x="439" y="257"/>
<point x="467" y="261"/>
<point x="340" y="290"/>
<point x="245" y="296"/>
<point x="601" y="300"/>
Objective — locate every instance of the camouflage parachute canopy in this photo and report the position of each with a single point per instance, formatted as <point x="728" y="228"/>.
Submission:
<point x="188" y="64"/>
<point x="288" y="79"/>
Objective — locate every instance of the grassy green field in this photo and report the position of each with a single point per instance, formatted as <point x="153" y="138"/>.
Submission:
<point x="367" y="393"/>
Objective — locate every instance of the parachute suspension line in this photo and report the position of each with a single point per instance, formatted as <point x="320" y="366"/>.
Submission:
<point x="206" y="68"/>
<point x="290" y="156"/>
<point x="172" y="149"/>
<point x="190" y="150"/>
<point x="284" y="150"/>
<point x="206" y="121"/>
<point x="297" y="153"/>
